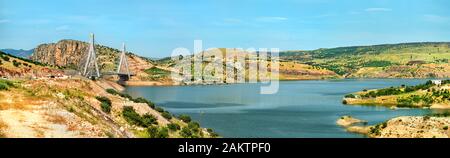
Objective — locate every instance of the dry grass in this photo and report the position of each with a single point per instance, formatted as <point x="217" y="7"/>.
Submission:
<point x="56" y="119"/>
<point x="3" y="126"/>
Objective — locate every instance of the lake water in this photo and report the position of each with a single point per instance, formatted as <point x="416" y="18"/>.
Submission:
<point x="299" y="109"/>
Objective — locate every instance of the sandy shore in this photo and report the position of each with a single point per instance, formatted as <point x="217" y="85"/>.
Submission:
<point x="149" y="83"/>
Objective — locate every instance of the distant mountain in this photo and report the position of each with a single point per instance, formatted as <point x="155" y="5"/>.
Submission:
<point x="19" y="53"/>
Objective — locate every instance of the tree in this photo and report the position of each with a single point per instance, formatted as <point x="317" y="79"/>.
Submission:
<point x="147" y="120"/>
<point x="173" y="127"/>
<point x="185" y="118"/>
<point x="186" y="133"/>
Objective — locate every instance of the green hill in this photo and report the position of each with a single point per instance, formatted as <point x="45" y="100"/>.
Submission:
<point x="406" y="60"/>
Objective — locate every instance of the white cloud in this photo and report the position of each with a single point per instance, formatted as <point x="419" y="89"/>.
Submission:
<point x="435" y="18"/>
<point x="378" y="10"/>
<point x="63" y="28"/>
<point x="232" y="20"/>
<point x="271" y="19"/>
<point x="4" y="21"/>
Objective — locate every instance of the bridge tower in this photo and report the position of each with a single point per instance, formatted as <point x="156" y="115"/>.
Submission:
<point x="123" y="62"/>
<point x="91" y="66"/>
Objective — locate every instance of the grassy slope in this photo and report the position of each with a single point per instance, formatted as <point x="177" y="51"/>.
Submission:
<point x="423" y="95"/>
<point x="380" y="60"/>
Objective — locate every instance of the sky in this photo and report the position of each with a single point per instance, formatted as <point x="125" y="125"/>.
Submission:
<point x="155" y="28"/>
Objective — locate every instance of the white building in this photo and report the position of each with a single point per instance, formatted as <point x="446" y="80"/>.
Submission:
<point x="437" y="82"/>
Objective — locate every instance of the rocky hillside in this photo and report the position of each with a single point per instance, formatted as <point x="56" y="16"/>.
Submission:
<point x="82" y="108"/>
<point x="228" y="58"/>
<point x="72" y="54"/>
<point x="17" y="67"/>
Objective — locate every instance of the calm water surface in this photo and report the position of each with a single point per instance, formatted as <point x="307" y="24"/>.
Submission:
<point x="299" y="109"/>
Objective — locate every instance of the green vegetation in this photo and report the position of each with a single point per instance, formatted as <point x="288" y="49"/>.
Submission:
<point x="350" y="96"/>
<point x="173" y="126"/>
<point x="155" y="132"/>
<point x="143" y="100"/>
<point x="376" y="130"/>
<point x="185" y="118"/>
<point x="412" y="100"/>
<point x="444" y="114"/>
<point x="6" y="57"/>
<point x="16" y="63"/>
<point x="156" y="73"/>
<point x="212" y="133"/>
<point x="192" y="130"/>
<point x="166" y="115"/>
<point x="398" y="90"/>
<point x="105" y="103"/>
<point x="6" y="84"/>
<point x="112" y="91"/>
<point x="137" y="100"/>
<point x="377" y="64"/>
<point x="422" y="95"/>
<point x="348" y="60"/>
<point x="383" y="92"/>
<point x="132" y="117"/>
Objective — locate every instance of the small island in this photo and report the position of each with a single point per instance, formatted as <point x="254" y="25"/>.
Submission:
<point x="432" y="94"/>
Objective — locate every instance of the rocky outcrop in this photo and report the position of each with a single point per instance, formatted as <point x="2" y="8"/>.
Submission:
<point x="63" y="53"/>
<point x="72" y="54"/>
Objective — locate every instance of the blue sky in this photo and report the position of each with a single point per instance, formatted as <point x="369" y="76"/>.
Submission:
<point x="154" y="28"/>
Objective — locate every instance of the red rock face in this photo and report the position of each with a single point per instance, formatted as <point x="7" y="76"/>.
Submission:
<point x="63" y="53"/>
<point x="72" y="54"/>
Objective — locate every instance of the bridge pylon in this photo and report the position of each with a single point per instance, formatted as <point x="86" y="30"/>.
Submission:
<point x="123" y="62"/>
<point x="91" y="66"/>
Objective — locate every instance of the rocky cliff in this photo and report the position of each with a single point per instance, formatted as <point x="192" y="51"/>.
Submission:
<point x="72" y="54"/>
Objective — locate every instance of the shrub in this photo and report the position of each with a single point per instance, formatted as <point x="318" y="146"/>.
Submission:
<point x="112" y="91"/>
<point x="173" y="126"/>
<point x="3" y="87"/>
<point x="194" y="127"/>
<point x="126" y="96"/>
<point x="163" y="133"/>
<point x="384" y="125"/>
<point x="445" y="128"/>
<point x="185" y="118"/>
<point x="143" y="100"/>
<point x="159" y="109"/>
<point x="212" y="133"/>
<point x="344" y="102"/>
<point x="147" y="120"/>
<point x="105" y="103"/>
<point x="105" y="107"/>
<point x="166" y="115"/>
<point x="5" y="58"/>
<point x="186" y="133"/>
<point x="131" y="116"/>
<point x="5" y="84"/>
<point x="16" y="64"/>
<point x="154" y="132"/>
<point x="350" y="96"/>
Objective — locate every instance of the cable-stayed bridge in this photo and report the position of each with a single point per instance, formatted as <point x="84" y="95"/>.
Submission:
<point x="91" y="69"/>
